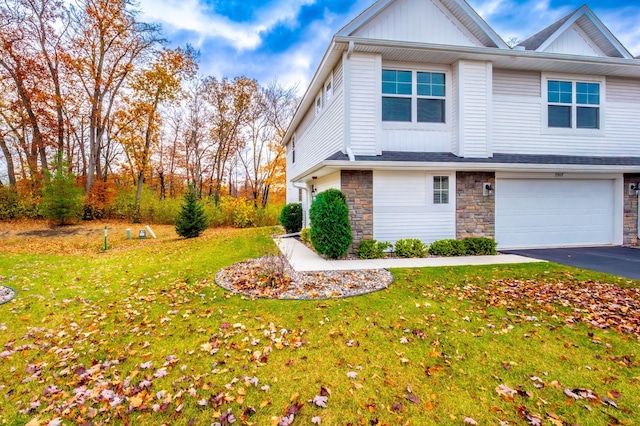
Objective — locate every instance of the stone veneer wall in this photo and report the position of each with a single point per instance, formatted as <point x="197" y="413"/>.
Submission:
<point x="357" y="185"/>
<point x="475" y="213"/>
<point x="630" y="221"/>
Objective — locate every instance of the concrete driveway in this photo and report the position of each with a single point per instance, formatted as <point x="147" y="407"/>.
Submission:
<point x="621" y="261"/>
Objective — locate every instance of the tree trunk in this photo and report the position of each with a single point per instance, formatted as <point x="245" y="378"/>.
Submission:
<point x="11" y="172"/>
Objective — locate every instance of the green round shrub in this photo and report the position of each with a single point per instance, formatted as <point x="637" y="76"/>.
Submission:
<point x="291" y="217"/>
<point x="447" y="248"/>
<point x="330" y="227"/>
<point x="372" y="249"/>
<point x="410" y="247"/>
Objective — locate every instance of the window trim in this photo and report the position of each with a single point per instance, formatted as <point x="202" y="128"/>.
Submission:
<point x="318" y="104"/>
<point x="439" y="207"/>
<point x="414" y="124"/>
<point x="329" y="90"/>
<point x="293" y="149"/>
<point x="573" y="130"/>
<point x="440" y="190"/>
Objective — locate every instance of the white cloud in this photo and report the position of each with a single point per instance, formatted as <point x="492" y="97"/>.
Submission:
<point x="488" y="9"/>
<point x="192" y="15"/>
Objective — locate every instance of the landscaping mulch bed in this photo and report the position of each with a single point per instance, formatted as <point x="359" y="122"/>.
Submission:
<point x="6" y="294"/>
<point x="272" y="277"/>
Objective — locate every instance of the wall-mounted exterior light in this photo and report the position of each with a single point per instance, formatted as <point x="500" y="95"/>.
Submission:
<point x="487" y="189"/>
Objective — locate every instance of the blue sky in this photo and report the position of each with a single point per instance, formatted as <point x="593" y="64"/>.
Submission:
<point x="285" y="39"/>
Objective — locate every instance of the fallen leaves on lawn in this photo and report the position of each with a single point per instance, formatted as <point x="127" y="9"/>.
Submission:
<point x="602" y="305"/>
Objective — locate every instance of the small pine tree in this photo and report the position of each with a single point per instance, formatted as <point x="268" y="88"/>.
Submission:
<point x="62" y="198"/>
<point x="192" y="220"/>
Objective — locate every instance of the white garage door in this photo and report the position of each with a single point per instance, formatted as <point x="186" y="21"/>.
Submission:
<point x="552" y="213"/>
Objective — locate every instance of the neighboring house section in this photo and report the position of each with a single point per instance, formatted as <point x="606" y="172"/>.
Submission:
<point x="435" y="128"/>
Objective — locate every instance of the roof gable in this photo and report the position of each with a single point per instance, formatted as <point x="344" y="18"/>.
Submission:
<point x="579" y="33"/>
<point x="449" y="22"/>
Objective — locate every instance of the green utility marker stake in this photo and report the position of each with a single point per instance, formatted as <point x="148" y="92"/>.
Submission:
<point x="105" y="238"/>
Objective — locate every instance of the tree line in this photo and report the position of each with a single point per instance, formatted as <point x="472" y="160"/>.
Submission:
<point x="89" y="88"/>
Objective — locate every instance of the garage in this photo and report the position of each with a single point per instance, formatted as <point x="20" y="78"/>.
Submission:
<point x="555" y="212"/>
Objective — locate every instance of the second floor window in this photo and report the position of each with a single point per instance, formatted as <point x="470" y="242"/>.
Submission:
<point x="413" y="96"/>
<point x="573" y="105"/>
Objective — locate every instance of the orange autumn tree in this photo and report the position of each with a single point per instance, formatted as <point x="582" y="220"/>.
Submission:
<point x="108" y="43"/>
<point x="138" y="125"/>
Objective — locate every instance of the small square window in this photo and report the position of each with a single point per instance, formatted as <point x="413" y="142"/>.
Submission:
<point x="588" y="93"/>
<point x="441" y="190"/>
<point x="328" y="90"/>
<point x="431" y="84"/>
<point x="560" y="92"/>
<point x="396" y="82"/>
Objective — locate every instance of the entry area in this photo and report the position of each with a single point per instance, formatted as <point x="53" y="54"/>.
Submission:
<point x="558" y="211"/>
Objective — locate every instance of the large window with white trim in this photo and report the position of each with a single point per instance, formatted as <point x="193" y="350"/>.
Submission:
<point x="413" y="96"/>
<point x="573" y="104"/>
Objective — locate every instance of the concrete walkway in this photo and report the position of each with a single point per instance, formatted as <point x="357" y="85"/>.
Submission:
<point x="302" y="258"/>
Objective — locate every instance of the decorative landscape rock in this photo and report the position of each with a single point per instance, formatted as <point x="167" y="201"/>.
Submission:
<point x="6" y="294"/>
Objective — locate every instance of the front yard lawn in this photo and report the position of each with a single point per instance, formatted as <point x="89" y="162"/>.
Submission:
<point x="141" y="335"/>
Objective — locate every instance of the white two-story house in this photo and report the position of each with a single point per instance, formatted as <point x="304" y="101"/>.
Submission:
<point x="434" y="128"/>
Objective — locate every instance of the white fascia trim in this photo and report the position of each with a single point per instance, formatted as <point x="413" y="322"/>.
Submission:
<point x="470" y="167"/>
<point x="360" y="20"/>
<point x="585" y="11"/>
<point x="489" y="52"/>
<point x="316" y="82"/>
<point x="417" y="165"/>
<point x="477" y="19"/>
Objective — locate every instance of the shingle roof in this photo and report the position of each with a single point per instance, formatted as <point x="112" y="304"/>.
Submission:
<point x="447" y="157"/>
<point x="536" y="40"/>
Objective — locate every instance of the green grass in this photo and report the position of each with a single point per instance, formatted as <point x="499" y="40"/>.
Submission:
<point x="131" y="307"/>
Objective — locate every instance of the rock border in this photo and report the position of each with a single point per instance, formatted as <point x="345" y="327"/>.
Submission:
<point x="311" y="285"/>
<point x="6" y="294"/>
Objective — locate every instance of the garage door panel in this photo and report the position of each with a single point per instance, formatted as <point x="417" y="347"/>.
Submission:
<point x="547" y="213"/>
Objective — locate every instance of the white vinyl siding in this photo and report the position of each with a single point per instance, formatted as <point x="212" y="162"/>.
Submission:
<point x="623" y="90"/>
<point x="405" y="20"/>
<point x="327" y="182"/>
<point x="320" y="139"/>
<point x="574" y="42"/>
<point x="516" y="83"/>
<point x="475" y="111"/>
<point x="364" y="78"/>
<point x="518" y="122"/>
<point x="556" y="212"/>
<point x="403" y="207"/>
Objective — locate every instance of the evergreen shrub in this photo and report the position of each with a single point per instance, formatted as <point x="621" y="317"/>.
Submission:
<point x="372" y="249"/>
<point x="330" y="227"/>
<point x="62" y="199"/>
<point x="447" y="248"/>
<point x="192" y="219"/>
<point x="410" y="247"/>
<point x="291" y="217"/>
<point x="479" y="246"/>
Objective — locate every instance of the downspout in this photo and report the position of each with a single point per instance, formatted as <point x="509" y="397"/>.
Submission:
<point x="303" y="186"/>
<point x="347" y="101"/>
